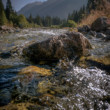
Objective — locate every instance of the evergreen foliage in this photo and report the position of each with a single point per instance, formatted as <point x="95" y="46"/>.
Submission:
<point x="78" y="15"/>
<point x="10" y="13"/>
<point x="9" y="10"/>
<point x="30" y="19"/>
<point x="95" y="4"/>
<point x="3" y="19"/>
<point x="91" y="5"/>
<point x="48" y="21"/>
<point x="38" y="20"/>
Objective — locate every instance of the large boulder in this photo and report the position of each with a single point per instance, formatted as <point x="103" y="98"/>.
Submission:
<point x="100" y="24"/>
<point x="58" y="47"/>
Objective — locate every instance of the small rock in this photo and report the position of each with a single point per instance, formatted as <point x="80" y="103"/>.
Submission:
<point x="17" y="30"/>
<point x="107" y="38"/>
<point x="93" y="33"/>
<point x="100" y="35"/>
<point x="5" y="55"/>
<point x="6" y="29"/>
<point x="84" y="28"/>
<point x="108" y="31"/>
<point x="11" y="31"/>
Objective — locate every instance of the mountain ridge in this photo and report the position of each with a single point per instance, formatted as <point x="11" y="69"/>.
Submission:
<point x="18" y="4"/>
<point x="52" y="8"/>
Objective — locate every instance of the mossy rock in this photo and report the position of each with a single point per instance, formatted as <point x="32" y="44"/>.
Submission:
<point x="44" y="86"/>
<point x="5" y="66"/>
<point x="102" y="62"/>
<point x="36" y="70"/>
<point x="103" y="59"/>
<point x="19" y="106"/>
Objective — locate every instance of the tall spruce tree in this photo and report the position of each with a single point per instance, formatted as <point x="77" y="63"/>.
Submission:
<point x="30" y="19"/>
<point x="3" y="19"/>
<point x="95" y="4"/>
<point x="38" y="20"/>
<point x="9" y="10"/>
<point x="10" y="13"/>
<point x="91" y="5"/>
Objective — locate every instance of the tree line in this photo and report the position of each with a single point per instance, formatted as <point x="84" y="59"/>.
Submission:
<point x="84" y="11"/>
<point x="9" y="17"/>
<point x="73" y="19"/>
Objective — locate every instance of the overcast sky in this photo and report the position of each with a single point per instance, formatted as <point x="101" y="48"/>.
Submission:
<point x="18" y="4"/>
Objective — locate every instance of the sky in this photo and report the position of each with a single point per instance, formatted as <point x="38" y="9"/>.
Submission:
<point x="18" y="4"/>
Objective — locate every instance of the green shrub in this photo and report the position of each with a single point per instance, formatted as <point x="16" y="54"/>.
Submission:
<point x="71" y="23"/>
<point x="22" y="21"/>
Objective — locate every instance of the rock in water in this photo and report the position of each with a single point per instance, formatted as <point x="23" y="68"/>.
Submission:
<point x="58" y="47"/>
<point x="5" y="29"/>
<point x="100" y="35"/>
<point x="36" y="70"/>
<point x="5" y="97"/>
<point x="108" y="31"/>
<point x="101" y="24"/>
<point x="84" y="28"/>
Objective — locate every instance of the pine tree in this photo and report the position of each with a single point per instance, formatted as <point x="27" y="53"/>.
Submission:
<point x="9" y="10"/>
<point x="30" y="19"/>
<point x="38" y="20"/>
<point x="95" y="4"/>
<point x="3" y="19"/>
<point x="48" y="21"/>
<point x="10" y="13"/>
<point x="56" y="21"/>
<point x="90" y="5"/>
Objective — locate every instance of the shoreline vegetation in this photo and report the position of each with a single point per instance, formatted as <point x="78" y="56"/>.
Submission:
<point x="85" y="16"/>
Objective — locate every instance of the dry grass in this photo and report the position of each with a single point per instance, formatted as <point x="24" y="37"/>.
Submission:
<point x="102" y="10"/>
<point x="92" y="17"/>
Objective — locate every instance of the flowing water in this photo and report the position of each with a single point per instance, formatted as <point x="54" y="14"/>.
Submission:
<point x="73" y="88"/>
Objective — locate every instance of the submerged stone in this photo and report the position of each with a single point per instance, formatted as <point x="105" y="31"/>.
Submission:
<point x="5" y="97"/>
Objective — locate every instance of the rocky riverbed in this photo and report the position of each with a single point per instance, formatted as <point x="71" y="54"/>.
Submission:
<point x="79" y="83"/>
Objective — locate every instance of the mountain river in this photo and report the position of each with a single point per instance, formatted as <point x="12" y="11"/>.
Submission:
<point x="73" y="88"/>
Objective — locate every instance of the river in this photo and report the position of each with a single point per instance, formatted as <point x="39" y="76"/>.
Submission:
<point x="73" y="88"/>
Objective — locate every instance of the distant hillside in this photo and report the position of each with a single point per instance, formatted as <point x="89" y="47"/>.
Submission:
<point x="18" y="4"/>
<point x="60" y="8"/>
